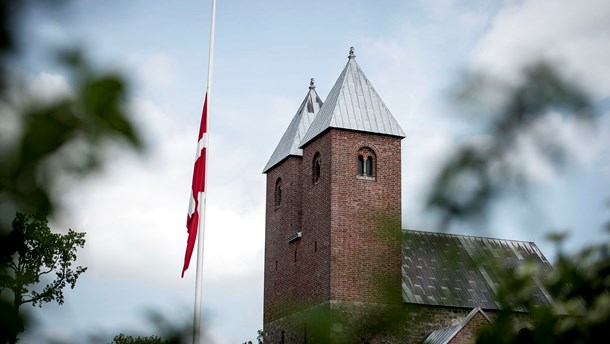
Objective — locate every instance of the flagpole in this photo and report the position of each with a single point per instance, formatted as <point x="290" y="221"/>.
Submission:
<point x="202" y="207"/>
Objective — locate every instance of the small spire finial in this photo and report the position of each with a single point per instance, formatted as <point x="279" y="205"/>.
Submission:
<point x="351" y="53"/>
<point x="311" y="84"/>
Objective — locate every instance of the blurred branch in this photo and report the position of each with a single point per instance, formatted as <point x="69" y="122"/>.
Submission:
<point x="65" y="137"/>
<point x="49" y="140"/>
<point x="479" y="173"/>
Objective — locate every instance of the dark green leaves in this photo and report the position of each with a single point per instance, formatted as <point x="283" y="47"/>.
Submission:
<point x="42" y="256"/>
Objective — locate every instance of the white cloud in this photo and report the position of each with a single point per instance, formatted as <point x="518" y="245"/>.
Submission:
<point x="579" y="142"/>
<point x="46" y="87"/>
<point x="129" y="210"/>
<point x="154" y="71"/>
<point x="422" y="156"/>
<point x="40" y="88"/>
<point x="411" y="70"/>
<point x="573" y="35"/>
<point x="9" y="127"/>
<point x="133" y="208"/>
<point x="464" y="18"/>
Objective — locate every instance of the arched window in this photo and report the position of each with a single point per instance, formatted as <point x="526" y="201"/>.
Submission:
<point x="278" y="192"/>
<point x="315" y="172"/>
<point x="367" y="168"/>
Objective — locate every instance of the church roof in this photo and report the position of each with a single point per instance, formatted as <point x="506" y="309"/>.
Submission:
<point x="353" y="104"/>
<point x="289" y="143"/>
<point x="446" y="334"/>
<point x="456" y="270"/>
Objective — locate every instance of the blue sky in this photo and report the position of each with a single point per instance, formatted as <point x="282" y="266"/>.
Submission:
<point x="266" y="51"/>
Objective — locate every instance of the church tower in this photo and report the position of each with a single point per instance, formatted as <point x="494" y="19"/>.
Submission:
<point x="333" y="207"/>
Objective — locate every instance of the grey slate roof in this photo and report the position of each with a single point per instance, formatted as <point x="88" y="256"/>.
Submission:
<point x="455" y="270"/>
<point x="445" y="334"/>
<point x="289" y="143"/>
<point x="353" y="104"/>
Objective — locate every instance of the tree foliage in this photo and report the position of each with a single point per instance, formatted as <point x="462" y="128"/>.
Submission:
<point x="66" y="136"/>
<point x="41" y="257"/>
<point x="579" y="286"/>
<point x="127" y="339"/>
<point x="481" y="173"/>
<point x="49" y="140"/>
<point x="53" y="138"/>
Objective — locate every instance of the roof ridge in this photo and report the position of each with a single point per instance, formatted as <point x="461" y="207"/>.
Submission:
<point x="466" y="235"/>
<point x="353" y="104"/>
<point x="300" y="123"/>
<point x="472" y="313"/>
<point x="465" y="321"/>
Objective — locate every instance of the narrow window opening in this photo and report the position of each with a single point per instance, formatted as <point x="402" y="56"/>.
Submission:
<point x="369" y="166"/>
<point x="278" y="192"/>
<point x="316" y="169"/>
<point x="315" y="246"/>
<point x="276" y="265"/>
<point x="360" y="165"/>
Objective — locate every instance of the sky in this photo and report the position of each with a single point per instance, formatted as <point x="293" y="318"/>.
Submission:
<point x="413" y="52"/>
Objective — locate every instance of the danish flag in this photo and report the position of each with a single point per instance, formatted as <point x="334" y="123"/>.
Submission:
<point x="197" y="189"/>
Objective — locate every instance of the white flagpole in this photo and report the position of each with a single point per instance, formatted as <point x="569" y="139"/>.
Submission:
<point x="202" y="207"/>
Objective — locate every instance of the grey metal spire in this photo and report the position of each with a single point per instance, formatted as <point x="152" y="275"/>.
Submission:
<point x="290" y="141"/>
<point x="353" y="104"/>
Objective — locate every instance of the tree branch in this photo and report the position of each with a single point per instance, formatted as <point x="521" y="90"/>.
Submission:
<point x="11" y="264"/>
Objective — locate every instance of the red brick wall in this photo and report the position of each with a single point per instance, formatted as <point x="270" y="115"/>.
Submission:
<point x="313" y="277"/>
<point x="350" y="248"/>
<point x="302" y="278"/>
<point x="281" y="222"/>
<point x="365" y="219"/>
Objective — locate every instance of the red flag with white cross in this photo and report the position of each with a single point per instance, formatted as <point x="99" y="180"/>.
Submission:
<point x="197" y="188"/>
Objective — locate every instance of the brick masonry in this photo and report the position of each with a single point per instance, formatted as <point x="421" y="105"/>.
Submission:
<point x="358" y="322"/>
<point x="350" y="245"/>
<point x="365" y="219"/>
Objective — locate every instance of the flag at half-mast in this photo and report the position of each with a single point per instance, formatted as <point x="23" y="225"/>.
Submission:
<point x="197" y="188"/>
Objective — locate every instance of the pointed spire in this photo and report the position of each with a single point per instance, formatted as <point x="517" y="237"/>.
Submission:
<point x="353" y="104"/>
<point x="289" y="143"/>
